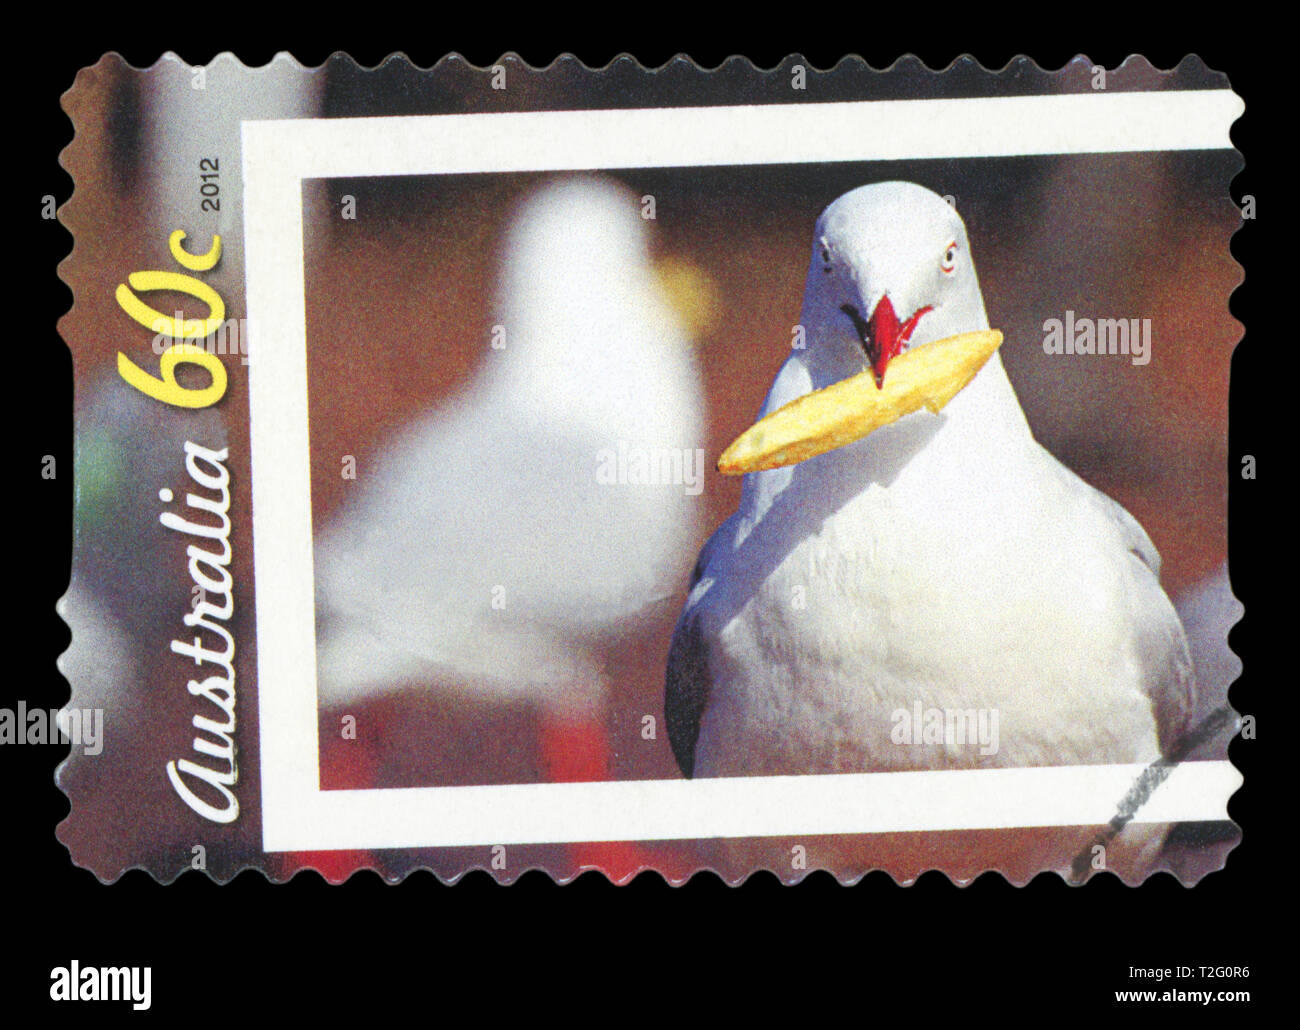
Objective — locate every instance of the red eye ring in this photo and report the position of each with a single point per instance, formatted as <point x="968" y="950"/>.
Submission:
<point x="949" y="262"/>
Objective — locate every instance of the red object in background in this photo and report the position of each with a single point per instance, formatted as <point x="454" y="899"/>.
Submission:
<point x="335" y="866"/>
<point x="576" y="750"/>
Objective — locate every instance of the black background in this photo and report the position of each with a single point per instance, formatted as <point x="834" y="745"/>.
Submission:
<point x="590" y="951"/>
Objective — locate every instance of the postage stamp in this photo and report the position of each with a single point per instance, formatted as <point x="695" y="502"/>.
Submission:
<point x="622" y="469"/>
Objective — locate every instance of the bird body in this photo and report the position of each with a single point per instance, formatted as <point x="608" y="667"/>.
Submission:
<point x="484" y="550"/>
<point x="946" y="560"/>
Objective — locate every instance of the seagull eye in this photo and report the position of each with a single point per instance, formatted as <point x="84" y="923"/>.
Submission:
<point x="949" y="262"/>
<point x="826" y="258"/>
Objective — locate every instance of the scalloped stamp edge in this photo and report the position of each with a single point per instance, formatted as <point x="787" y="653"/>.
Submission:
<point x="278" y="156"/>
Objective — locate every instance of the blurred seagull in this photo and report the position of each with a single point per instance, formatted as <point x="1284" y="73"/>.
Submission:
<point x="486" y="551"/>
<point x="945" y="559"/>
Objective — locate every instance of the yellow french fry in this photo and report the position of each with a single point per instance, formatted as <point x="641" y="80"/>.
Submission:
<point x="927" y="377"/>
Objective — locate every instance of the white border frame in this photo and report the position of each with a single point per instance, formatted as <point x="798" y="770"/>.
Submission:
<point x="278" y="155"/>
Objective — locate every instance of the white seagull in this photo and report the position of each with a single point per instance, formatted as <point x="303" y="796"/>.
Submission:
<point x="945" y="559"/>
<point x="493" y="541"/>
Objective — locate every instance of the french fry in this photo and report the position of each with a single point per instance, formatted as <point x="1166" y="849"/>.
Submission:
<point x="927" y="377"/>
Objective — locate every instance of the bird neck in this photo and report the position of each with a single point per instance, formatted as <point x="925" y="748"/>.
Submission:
<point x="988" y="404"/>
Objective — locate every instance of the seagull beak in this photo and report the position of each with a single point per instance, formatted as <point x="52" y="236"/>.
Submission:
<point x="883" y="336"/>
<point x="691" y="293"/>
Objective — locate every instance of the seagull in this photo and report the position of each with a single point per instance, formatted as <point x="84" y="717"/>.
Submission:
<point x="484" y="552"/>
<point x="945" y="560"/>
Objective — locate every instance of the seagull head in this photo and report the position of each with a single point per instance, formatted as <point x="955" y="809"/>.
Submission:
<point x="890" y="269"/>
<point x="592" y="342"/>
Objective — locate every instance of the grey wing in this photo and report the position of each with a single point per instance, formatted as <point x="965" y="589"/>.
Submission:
<point x="688" y="683"/>
<point x="1167" y="676"/>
